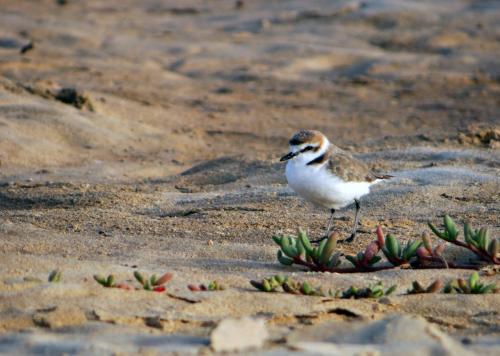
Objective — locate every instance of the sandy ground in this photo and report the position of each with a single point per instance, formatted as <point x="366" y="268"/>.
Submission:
<point x="167" y="160"/>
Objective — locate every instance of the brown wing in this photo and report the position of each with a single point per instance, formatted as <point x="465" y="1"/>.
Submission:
<point x="346" y="167"/>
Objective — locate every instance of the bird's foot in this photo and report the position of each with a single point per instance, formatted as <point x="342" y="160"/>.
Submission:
<point x="348" y="240"/>
<point x="319" y="240"/>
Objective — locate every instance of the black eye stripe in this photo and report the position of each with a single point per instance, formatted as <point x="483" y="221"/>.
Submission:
<point x="307" y="148"/>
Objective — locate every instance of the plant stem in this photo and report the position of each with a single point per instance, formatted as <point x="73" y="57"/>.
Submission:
<point x="481" y="253"/>
<point x="322" y="268"/>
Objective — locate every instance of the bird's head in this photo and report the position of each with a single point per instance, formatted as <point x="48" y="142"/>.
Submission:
<point x="306" y="145"/>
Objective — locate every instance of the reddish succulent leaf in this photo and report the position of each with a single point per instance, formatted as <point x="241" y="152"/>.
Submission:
<point x="422" y="252"/>
<point x="370" y="252"/>
<point x="380" y="237"/>
<point x="164" y="279"/>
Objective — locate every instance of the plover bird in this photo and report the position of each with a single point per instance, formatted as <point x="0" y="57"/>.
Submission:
<point x="325" y="175"/>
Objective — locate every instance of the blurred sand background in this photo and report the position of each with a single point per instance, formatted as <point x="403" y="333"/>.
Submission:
<point x="146" y="135"/>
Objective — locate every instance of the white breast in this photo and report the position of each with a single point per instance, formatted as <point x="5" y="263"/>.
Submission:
<point x="319" y="186"/>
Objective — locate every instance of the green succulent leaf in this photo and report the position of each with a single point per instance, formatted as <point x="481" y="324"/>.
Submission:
<point x="287" y="248"/>
<point x="487" y="288"/>
<point x="468" y="232"/>
<point x="474" y="240"/>
<point x="304" y="240"/>
<point x="284" y="260"/>
<point x="153" y="279"/>
<point x="300" y="248"/>
<point x="110" y="281"/>
<point x="451" y="228"/>
<point x="484" y="238"/>
<point x="280" y="279"/>
<point x="306" y="289"/>
<point x="411" y="249"/>
<point x="139" y="277"/>
<point x="257" y="285"/>
<point x="321" y="247"/>
<point x="416" y="288"/>
<point x="438" y="233"/>
<point x="448" y="289"/>
<point x="315" y="253"/>
<point x="391" y="289"/>
<point x="328" y="249"/>
<point x="100" y="279"/>
<point x="55" y="276"/>
<point x="393" y="246"/>
<point x="277" y="240"/>
<point x="374" y="260"/>
<point x="473" y="279"/>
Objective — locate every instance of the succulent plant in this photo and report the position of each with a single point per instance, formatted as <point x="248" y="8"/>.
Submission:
<point x="212" y="286"/>
<point x="470" y="286"/>
<point x="305" y="288"/>
<point x="417" y="288"/>
<point x="450" y="232"/>
<point x="55" y="276"/>
<point x="374" y="291"/>
<point x="108" y="282"/>
<point x="427" y="254"/>
<point x="414" y="254"/>
<point x="398" y="255"/>
<point x="153" y="283"/>
<point x="477" y="241"/>
<point x="270" y="284"/>
<point x="299" y="250"/>
<point x="367" y="258"/>
<point x="481" y="240"/>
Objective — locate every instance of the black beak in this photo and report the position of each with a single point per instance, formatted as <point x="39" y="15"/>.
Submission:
<point x="288" y="156"/>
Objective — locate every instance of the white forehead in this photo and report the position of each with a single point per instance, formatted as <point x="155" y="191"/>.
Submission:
<point x="295" y="148"/>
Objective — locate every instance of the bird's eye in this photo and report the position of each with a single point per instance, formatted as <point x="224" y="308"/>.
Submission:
<point x="307" y="148"/>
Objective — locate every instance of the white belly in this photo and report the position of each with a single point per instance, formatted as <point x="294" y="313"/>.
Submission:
<point x="319" y="186"/>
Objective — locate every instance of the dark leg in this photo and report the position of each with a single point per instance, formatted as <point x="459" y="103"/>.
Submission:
<point x="356" y="221"/>
<point x="332" y="211"/>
